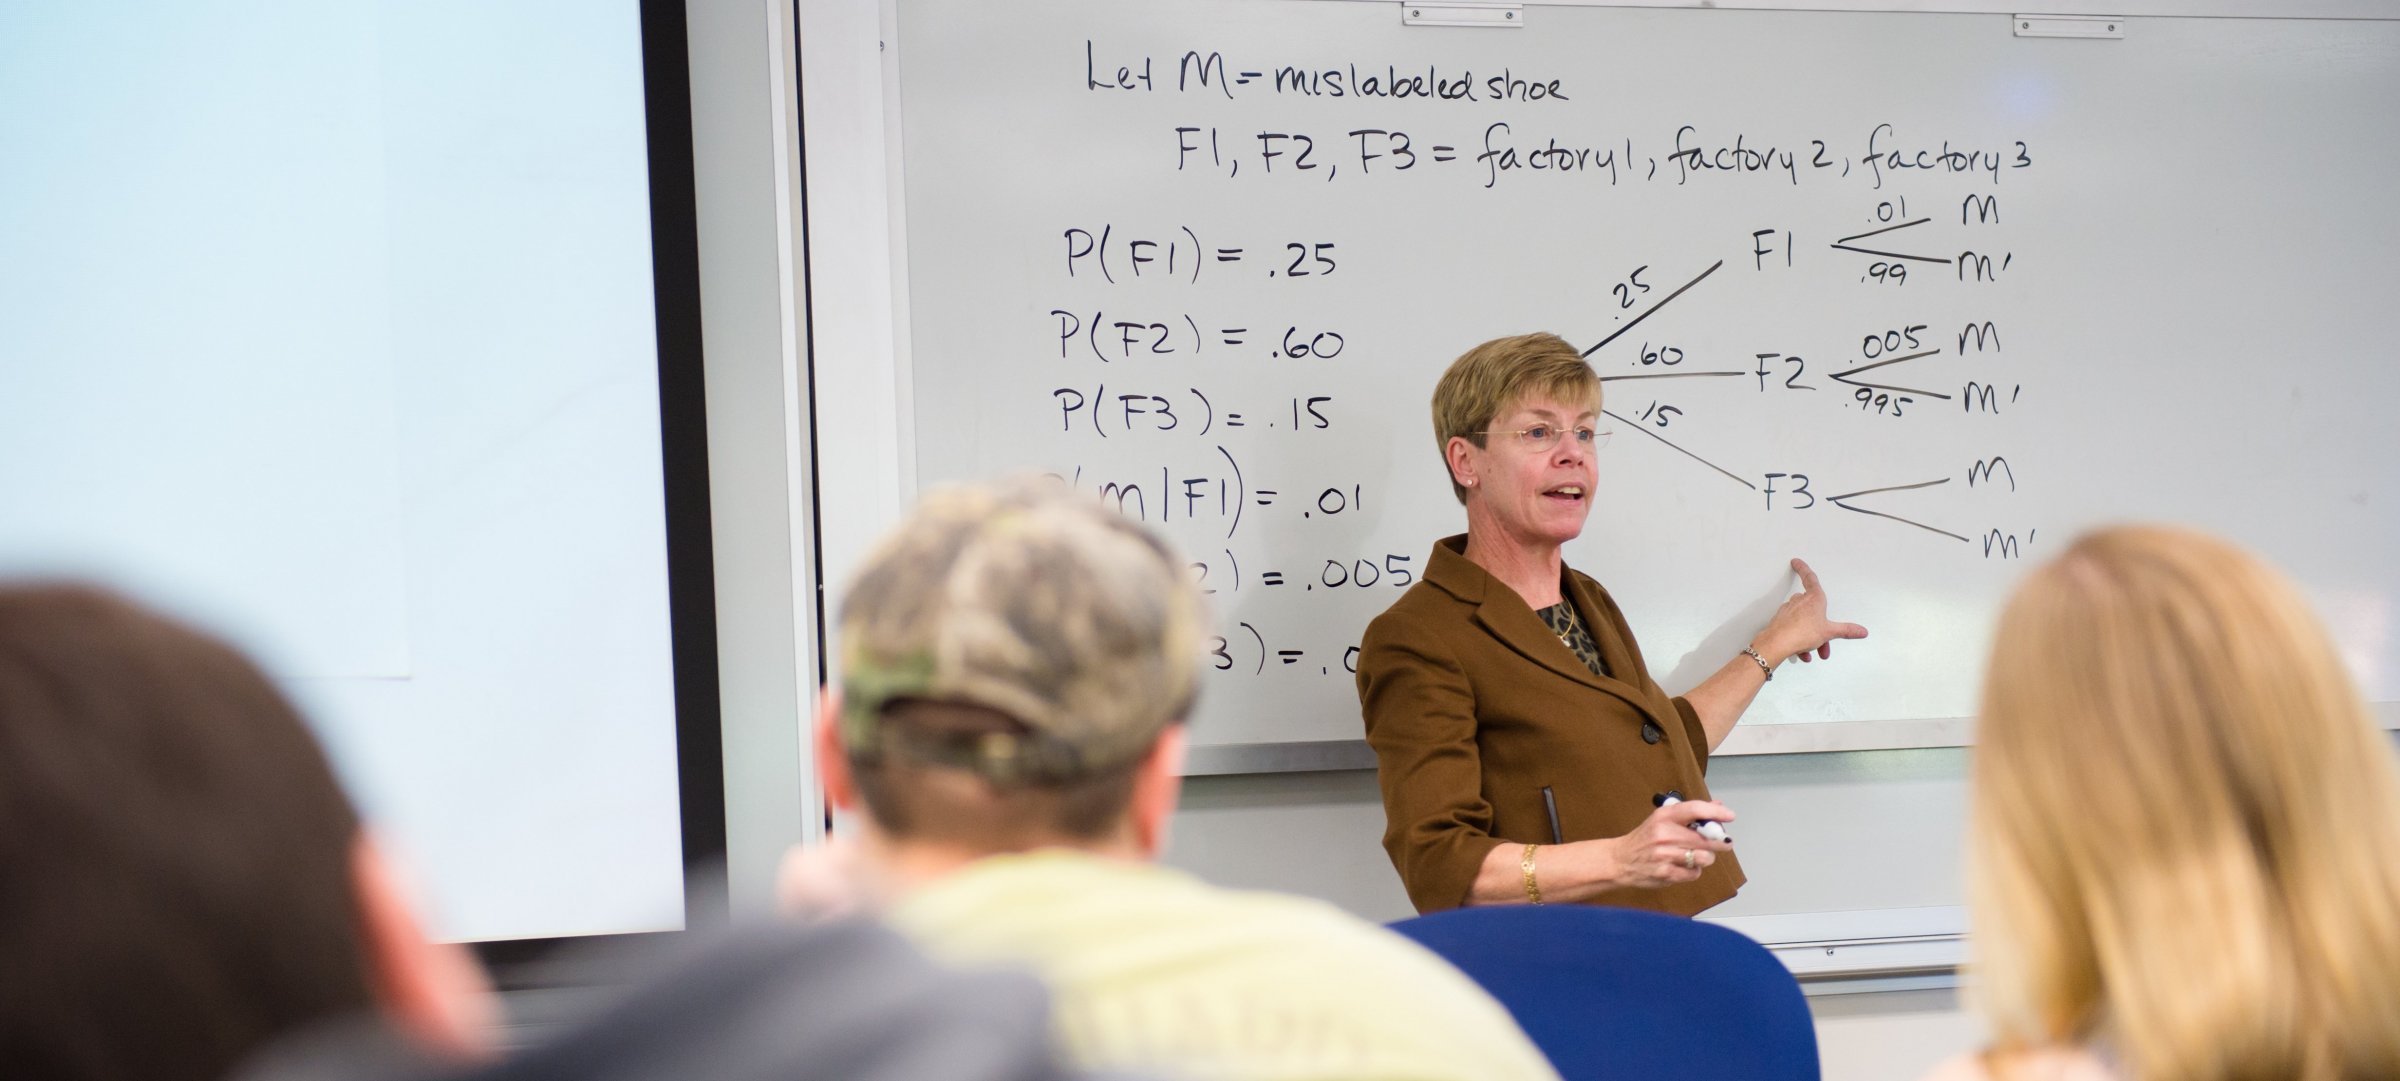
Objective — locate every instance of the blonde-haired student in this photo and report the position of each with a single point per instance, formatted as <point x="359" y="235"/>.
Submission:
<point x="2185" y="851"/>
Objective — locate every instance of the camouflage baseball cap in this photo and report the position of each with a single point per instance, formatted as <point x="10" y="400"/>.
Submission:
<point x="1031" y="600"/>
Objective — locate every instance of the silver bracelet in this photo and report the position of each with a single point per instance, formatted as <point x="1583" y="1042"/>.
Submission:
<point x="1763" y="666"/>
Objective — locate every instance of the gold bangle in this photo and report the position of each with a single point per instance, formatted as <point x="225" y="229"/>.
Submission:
<point x="1533" y="889"/>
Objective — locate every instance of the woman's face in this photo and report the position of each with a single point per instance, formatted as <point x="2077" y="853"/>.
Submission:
<point x="1529" y="493"/>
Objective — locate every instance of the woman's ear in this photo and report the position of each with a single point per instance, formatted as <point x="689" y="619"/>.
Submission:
<point x="434" y="992"/>
<point x="1460" y="455"/>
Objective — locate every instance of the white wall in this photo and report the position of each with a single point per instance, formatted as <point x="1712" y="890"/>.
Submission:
<point x="1890" y="1035"/>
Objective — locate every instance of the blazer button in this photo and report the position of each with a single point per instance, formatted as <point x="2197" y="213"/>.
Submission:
<point x="1652" y="733"/>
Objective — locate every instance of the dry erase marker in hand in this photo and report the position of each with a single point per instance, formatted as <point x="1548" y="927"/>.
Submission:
<point x="1703" y="827"/>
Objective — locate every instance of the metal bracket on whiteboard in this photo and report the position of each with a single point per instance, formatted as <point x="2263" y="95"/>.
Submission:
<point x="1310" y="757"/>
<point x="2069" y="26"/>
<point x="1462" y="14"/>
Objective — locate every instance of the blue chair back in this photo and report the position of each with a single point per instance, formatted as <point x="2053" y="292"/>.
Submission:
<point x="1620" y="993"/>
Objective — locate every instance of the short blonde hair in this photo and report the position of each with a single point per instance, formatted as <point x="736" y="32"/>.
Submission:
<point x="1499" y="373"/>
<point x="2186" y="828"/>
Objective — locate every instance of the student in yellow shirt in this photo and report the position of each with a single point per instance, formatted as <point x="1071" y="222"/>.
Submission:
<point x="1016" y="665"/>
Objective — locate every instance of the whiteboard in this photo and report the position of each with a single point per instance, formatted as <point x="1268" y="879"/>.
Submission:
<point x="1905" y="294"/>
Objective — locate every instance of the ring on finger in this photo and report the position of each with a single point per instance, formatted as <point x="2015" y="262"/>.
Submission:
<point x="1690" y="861"/>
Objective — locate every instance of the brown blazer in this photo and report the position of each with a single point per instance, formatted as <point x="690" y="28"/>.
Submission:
<point x="1473" y="706"/>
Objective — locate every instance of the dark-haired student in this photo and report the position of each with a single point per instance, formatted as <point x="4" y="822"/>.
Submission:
<point x="186" y="894"/>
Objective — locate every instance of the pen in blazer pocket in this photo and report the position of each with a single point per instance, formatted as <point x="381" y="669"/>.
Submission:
<point x="1550" y="805"/>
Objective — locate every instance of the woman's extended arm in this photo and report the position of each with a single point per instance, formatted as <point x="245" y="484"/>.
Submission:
<point x="1798" y="629"/>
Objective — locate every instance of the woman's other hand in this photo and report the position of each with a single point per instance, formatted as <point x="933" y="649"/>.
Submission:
<point x="1665" y="850"/>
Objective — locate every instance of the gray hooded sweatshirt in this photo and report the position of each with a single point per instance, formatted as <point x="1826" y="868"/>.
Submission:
<point x="848" y="1001"/>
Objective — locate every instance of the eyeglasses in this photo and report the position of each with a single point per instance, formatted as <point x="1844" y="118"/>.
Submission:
<point x="1542" y="437"/>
